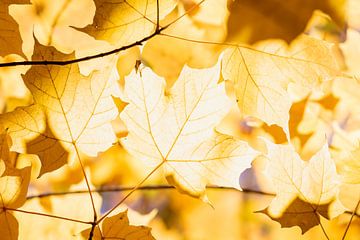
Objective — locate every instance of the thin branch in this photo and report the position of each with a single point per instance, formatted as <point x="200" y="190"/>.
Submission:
<point x="47" y="215"/>
<point x="351" y="218"/>
<point x="141" y="188"/>
<point x="158" y="30"/>
<point x="157" y="16"/>
<point x="186" y="13"/>
<point x="131" y="192"/>
<point x="87" y="58"/>
<point x="321" y="226"/>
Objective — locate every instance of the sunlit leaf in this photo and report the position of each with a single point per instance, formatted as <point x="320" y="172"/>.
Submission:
<point x="60" y="94"/>
<point x="175" y="130"/>
<point x="117" y="227"/>
<point x="303" y="188"/>
<point x="261" y="75"/>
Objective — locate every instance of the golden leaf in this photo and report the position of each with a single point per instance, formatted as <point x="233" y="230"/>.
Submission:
<point x="175" y="130"/>
<point x="10" y="40"/>
<point x="303" y="188"/>
<point x="251" y="21"/>
<point x="13" y="189"/>
<point x="125" y="22"/>
<point x="72" y="112"/>
<point x="117" y="227"/>
<point x="188" y="28"/>
<point x="52" y="24"/>
<point x="261" y="75"/>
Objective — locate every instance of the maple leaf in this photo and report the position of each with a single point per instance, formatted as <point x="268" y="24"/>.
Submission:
<point x="175" y="130"/>
<point x="51" y="23"/>
<point x="261" y="75"/>
<point x="10" y="40"/>
<point x="251" y="21"/>
<point x="60" y="95"/>
<point x="125" y="22"/>
<point x="117" y="227"/>
<point x="190" y="22"/>
<point x="13" y="189"/>
<point x="302" y="188"/>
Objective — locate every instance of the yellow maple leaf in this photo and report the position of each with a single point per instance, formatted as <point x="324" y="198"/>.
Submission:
<point x="10" y="41"/>
<point x="261" y="75"/>
<point x="72" y="113"/>
<point x="175" y="130"/>
<point x="304" y="190"/>
<point x="117" y="227"/>
<point x="193" y="23"/>
<point x="125" y="22"/>
<point x="251" y="21"/>
<point x="13" y="189"/>
<point x="52" y="24"/>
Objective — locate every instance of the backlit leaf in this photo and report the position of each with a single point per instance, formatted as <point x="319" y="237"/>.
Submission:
<point x="175" y="130"/>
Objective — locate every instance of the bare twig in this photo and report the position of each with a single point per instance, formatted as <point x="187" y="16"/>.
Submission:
<point x="351" y="218"/>
<point x="141" y="188"/>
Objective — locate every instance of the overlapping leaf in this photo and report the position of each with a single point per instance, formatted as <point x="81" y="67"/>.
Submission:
<point x="175" y="130"/>
<point x="125" y="22"/>
<point x="13" y="189"/>
<point x="190" y="22"/>
<point x="118" y="227"/>
<point x="261" y="75"/>
<point x="251" y="21"/>
<point x="10" y="40"/>
<point x="71" y="112"/>
<point x="304" y="190"/>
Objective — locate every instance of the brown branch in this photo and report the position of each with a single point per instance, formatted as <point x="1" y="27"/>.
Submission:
<point x="158" y="30"/>
<point x="47" y="215"/>
<point x="152" y="188"/>
<point x="87" y="58"/>
<point x="142" y="188"/>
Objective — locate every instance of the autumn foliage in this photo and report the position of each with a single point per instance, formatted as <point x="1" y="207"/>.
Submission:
<point x="179" y="119"/>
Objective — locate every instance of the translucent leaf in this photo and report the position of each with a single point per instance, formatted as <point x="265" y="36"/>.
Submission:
<point x="175" y="130"/>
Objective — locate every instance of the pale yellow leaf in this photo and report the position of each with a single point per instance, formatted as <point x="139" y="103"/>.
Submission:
<point x="11" y="83"/>
<point x="13" y="190"/>
<point x="71" y="112"/>
<point x="351" y="51"/>
<point x="192" y="24"/>
<point x="125" y="22"/>
<point x="349" y="196"/>
<point x="261" y="75"/>
<point x="175" y="130"/>
<point x="350" y="166"/>
<point x="302" y="188"/>
<point x="50" y="21"/>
